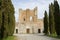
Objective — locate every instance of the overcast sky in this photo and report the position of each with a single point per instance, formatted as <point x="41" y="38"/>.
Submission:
<point x="31" y="4"/>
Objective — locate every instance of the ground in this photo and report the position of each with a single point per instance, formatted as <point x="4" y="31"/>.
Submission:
<point x="10" y="38"/>
<point x="33" y="37"/>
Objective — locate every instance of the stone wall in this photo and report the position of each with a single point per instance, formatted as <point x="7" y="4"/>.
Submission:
<point x="28" y="22"/>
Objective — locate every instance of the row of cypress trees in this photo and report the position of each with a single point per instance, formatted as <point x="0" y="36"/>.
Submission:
<point x="7" y="19"/>
<point x="52" y="21"/>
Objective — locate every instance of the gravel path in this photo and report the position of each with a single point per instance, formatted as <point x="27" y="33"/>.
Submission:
<point x="33" y="37"/>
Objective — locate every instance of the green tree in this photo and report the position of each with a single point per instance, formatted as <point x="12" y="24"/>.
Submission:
<point x="8" y="19"/>
<point x="11" y="18"/>
<point x="4" y="18"/>
<point x="51" y="19"/>
<point x="46" y="23"/>
<point x="0" y="17"/>
<point x="57" y="17"/>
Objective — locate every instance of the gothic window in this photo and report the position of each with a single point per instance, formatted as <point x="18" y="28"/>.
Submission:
<point x="24" y="19"/>
<point x="30" y="18"/>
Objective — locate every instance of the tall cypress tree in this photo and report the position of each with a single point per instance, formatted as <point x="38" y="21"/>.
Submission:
<point x="8" y="19"/>
<point x="57" y="17"/>
<point x="4" y="18"/>
<point x="11" y="18"/>
<point x="0" y="16"/>
<point x="45" y="23"/>
<point x="51" y="19"/>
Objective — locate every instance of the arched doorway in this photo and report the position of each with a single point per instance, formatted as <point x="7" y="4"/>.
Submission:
<point x="16" y="30"/>
<point x="28" y="30"/>
<point x="39" y="31"/>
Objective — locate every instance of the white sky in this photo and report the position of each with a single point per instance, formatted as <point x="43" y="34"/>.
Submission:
<point x="31" y="4"/>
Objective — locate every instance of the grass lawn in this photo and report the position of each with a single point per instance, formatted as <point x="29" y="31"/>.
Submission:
<point x="10" y="38"/>
<point x="54" y="36"/>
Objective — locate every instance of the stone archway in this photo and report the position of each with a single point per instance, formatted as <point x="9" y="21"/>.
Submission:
<point x="28" y="30"/>
<point x="16" y="30"/>
<point x="39" y="31"/>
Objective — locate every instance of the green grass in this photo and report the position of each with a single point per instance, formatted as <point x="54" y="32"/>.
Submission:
<point x="53" y="36"/>
<point x="10" y="38"/>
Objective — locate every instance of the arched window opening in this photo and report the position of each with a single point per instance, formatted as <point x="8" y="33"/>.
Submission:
<point x="24" y="19"/>
<point x="31" y="18"/>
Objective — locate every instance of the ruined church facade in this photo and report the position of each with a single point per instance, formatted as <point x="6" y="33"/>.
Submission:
<point x="28" y="22"/>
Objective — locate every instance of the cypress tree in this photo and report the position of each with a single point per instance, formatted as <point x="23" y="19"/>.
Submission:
<point x="51" y="19"/>
<point x="11" y="18"/>
<point x="0" y="16"/>
<point x="4" y="18"/>
<point x="45" y="23"/>
<point x="8" y="19"/>
<point x="57" y="17"/>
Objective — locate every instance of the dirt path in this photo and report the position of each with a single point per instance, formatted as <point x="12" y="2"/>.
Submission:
<point x="33" y="37"/>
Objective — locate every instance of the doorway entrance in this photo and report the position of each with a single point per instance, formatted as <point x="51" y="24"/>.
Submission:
<point x="28" y="30"/>
<point x="39" y="31"/>
<point x="16" y="30"/>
